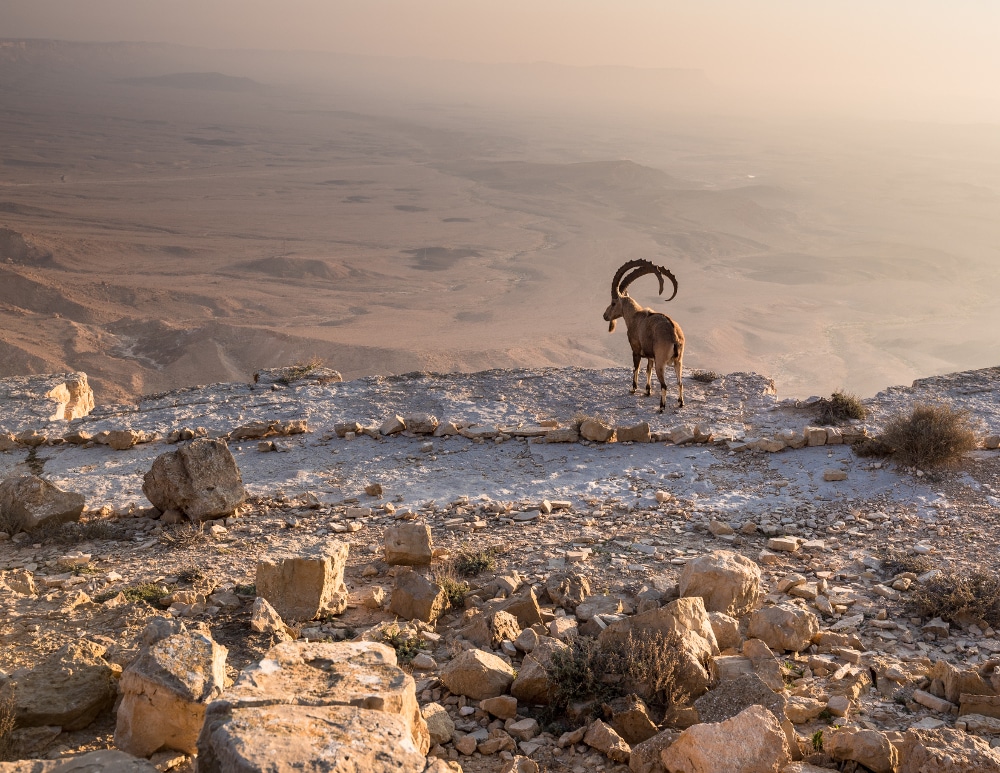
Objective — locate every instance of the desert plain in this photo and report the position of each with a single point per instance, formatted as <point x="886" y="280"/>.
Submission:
<point x="173" y="216"/>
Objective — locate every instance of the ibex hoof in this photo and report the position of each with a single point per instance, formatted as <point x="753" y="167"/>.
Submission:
<point x="649" y="392"/>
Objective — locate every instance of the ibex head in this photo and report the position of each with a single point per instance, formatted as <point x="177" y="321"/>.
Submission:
<point x="619" y="285"/>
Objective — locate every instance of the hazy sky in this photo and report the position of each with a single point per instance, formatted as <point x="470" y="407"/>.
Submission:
<point x="943" y="52"/>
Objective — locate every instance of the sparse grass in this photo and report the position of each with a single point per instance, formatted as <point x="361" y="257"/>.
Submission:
<point x="817" y="741"/>
<point x="953" y="596"/>
<point x="841" y="407"/>
<point x="407" y="645"/>
<point x="648" y="666"/>
<point x="931" y="435"/>
<point x="471" y="562"/>
<point x="245" y="590"/>
<point x="184" y="535"/>
<point x="705" y="376"/>
<point x="895" y="561"/>
<point x="871" y="447"/>
<point x="7" y="706"/>
<point x="10" y="523"/>
<point x="150" y="592"/>
<point x="454" y="589"/>
<point x="299" y="370"/>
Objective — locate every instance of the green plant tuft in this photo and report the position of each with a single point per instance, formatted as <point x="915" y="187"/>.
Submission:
<point x="470" y="562"/>
<point x="931" y="435"/>
<point x="406" y="644"/>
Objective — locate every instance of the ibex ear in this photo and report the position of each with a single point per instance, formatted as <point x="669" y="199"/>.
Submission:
<point x="611" y="325"/>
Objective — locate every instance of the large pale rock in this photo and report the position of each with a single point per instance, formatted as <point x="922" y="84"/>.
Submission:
<point x="638" y="433"/>
<point x="532" y="684"/>
<point x="630" y="719"/>
<point x="265" y="619"/>
<point x="414" y="597"/>
<point x="165" y="692"/>
<point x="869" y="747"/>
<point x="317" y="674"/>
<point x="958" y="681"/>
<point x="945" y="751"/>
<point x="784" y="626"/>
<point x="306" y="582"/>
<point x="408" y="544"/>
<point x="306" y="739"/>
<point x="726" y="630"/>
<point x="750" y="742"/>
<point x="680" y="615"/>
<point x="727" y="582"/>
<point x="31" y="502"/>
<point x="477" y="675"/>
<point x="103" y="761"/>
<point x="523" y="606"/>
<point x="199" y="479"/>
<point x="68" y="689"/>
<point x="30" y="400"/>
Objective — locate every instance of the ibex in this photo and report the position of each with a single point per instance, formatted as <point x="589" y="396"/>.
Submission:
<point x="650" y="334"/>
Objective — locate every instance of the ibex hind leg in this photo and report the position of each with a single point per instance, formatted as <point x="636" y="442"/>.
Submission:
<point x="680" y="386"/>
<point x="636" y="360"/>
<point x="663" y="387"/>
<point x="649" y="377"/>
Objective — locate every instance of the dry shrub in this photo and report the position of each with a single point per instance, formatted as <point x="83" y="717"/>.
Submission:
<point x="470" y="562"/>
<point x="705" y="376"/>
<point x="648" y="666"/>
<point x="7" y="706"/>
<point x="841" y="407"/>
<point x="454" y="589"/>
<point x="931" y="435"/>
<point x="10" y="523"/>
<point x="896" y="561"/>
<point x="956" y="597"/>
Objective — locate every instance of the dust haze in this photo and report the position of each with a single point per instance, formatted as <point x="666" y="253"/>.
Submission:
<point x="173" y="215"/>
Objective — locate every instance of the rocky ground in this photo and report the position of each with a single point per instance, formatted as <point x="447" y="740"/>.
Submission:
<point x="625" y="517"/>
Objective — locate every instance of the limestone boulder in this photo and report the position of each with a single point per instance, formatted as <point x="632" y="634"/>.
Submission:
<point x="265" y="619"/>
<point x="955" y="681"/>
<point x="750" y="742"/>
<point x="637" y="433"/>
<point x="30" y="502"/>
<point x="945" y="751"/>
<point x="199" y="479"/>
<point x="165" y="692"/>
<point x="596" y="431"/>
<point x="306" y="739"/>
<point x="726" y="630"/>
<point x="68" y="689"/>
<point x="477" y="674"/>
<point x="630" y="719"/>
<point x="784" y="626"/>
<point x="868" y="747"/>
<point x="414" y="597"/>
<point x="408" y="544"/>
<point x="726" y="581"/>
<point x="440" y="725"/>
<point x="306" y="582"/>
<point x="523" y="606"/>
<point x="320" y="674"/>
<point x="680" y="615"/>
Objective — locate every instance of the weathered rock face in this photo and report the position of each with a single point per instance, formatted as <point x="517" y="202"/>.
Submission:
<point x="414" y="597"/>
<point x="727" y="582"/>
<point x="945" y="751"/>
<point x="307" y="583"/>
<point x="317" y="707"/>
<point x="408" y="544"/>
<point x="29" y="400"/>
<point x="596" y="430"/>
<point x="69" y="688"/>
<point x="750" y="742"/>
<point x="199" y="479"/>
<point x="440" y="725"/>
<point x="106" y="761"/>
<point x="477" y="675"/>
<point x="532" y="683"/>
<point x="869" y="747"/>
<point x="29" y="502"/>
<point x="165" y="692"/>
<point x="603" y="738"/>
<point x="733" y="696"/>
<point x="567" y="589"/>
<point x="784" y="627"/>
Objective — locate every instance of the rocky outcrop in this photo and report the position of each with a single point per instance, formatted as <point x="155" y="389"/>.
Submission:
<point x="199" y="479"/>
<point x="105" y="761"/>
<point x="303" y="583"/>
<point x="477" y="675"/>
<point x="165" y="692"/>
<point x="69" y="689"/>
<point x="33" y="400"/>
<point x="408" y="544"/>
<point x="317" y="707"/>
<point x="750" y="742"/>
<point x="29" y="502"/>
<point x="727" y="582"/>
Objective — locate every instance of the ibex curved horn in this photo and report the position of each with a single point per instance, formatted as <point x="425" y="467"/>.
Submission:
<point x="646" y="267"/>
<point x="615" y="289"/>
